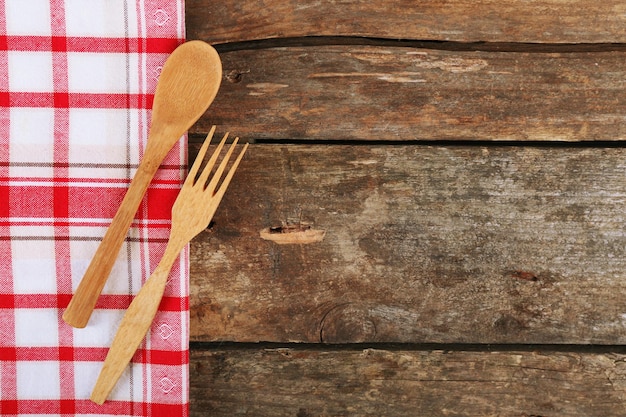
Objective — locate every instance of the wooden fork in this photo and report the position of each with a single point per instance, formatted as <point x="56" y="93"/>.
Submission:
<point x="192" y="212"/>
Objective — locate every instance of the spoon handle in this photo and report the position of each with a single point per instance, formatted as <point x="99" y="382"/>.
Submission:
<point x="84" y="300"/>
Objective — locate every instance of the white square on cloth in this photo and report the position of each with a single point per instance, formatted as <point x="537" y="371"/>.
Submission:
<point x="100" y="18"/>
<point x="32" y="150"/>
<point x="30" y="71"/>
<point x="32" y="327"/>
<point x="92" y="335"/>
<point x="33" y="267"/>
<point x="98" y="128"/>
<point x="82" y="252"/>
<point x="128" y="388"/>
<point x="102" y="73"/>
<point x="32" y="126"/>
<point x="28" y="17"/>
<point x="30" y="375"/>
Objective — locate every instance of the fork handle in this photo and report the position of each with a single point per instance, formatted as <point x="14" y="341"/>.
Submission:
<point x="135" y="324"/>
<point x="84" y="300"/>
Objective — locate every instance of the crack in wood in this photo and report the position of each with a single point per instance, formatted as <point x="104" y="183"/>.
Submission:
<point x="292" y="234"/>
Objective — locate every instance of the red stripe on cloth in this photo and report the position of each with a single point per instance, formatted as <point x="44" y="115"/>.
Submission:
<point x="8" y="354"/>
<point x="7" y="301"/>
<point x="61" y="100"/>
<point x="8" y="407"/>
<point x="106" y="301"/>
<point x="88" y="44"/>
<point x="61" y="198"/>
<point x="112" y="407"/>
<point x="76" y="100"/>
<point x="167" y="357"/>
<point x="144" y="80"/>
<point x="168" y="410"/>
<point x="67" y="407"/>
<point x="61" y="202"/>
<point x="174" y="304"/>
<point x="31" y="202"/>
<point x="5" y="235"/>
<point x="58" y="43"/>
<point x="60" y="195"/>
<point x="117" y="302"/>
<point x="4" y="200"/>
<point x="88" y="354"/>
<point x="8" y="366"/>
<point x="160" y="202"/>
<point x="12" y="407"/>
<point x="64" y="353"/>
<point x="75" y="181"/>
<point x="34" y="300"/>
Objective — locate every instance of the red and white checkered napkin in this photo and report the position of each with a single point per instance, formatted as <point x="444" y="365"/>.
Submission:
<point x="77" y="81"/>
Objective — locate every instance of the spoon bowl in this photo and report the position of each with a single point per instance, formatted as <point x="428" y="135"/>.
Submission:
<point x="188" y="84"/>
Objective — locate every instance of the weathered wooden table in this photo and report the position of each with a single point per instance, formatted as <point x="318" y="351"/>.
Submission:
<point x="459" y="170"/>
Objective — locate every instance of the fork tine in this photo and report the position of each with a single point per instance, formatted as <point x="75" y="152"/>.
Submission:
<point x="220" y="169"/>
<point x="204" y="175"/>
<point x="193" y="171"/>
<point x="220" y="192"/>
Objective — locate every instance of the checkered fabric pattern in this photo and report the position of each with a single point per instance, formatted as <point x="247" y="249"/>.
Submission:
<point x="77" y="79"/>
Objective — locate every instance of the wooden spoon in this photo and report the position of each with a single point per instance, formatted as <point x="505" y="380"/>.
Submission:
<point x="187" y="86"/>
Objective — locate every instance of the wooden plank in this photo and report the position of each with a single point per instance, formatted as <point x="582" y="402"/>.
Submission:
<point x="385" y="93"/>
<point x="553" y="21"/>
<point x="303" y="382"/>
<point x="421" y="244"/>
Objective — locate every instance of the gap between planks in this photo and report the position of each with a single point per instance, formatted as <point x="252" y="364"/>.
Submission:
<point x="412" y="347"/>
<point x="521" y="47"/>
<point x="198" y="138"/>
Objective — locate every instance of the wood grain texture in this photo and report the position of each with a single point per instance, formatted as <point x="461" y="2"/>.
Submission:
<point x="312" y="383"/>
<point x="552" y="21"/>
<point x="422" y="244"/>
<point x="396" y="93"/>
<point x="405" y="243"/>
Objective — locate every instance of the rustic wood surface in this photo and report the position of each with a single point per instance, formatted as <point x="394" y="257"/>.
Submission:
<point x="380" y="237"/>
<point x="396" y="93"/>
<point x="422" y="244"/>
<point x="373" y="382"/>
<point x="545" y="21"/>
